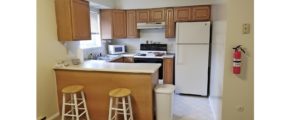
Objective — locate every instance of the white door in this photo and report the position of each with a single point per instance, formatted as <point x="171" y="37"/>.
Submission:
<point x="191" y="69"/>
<point x="192" y="32"/>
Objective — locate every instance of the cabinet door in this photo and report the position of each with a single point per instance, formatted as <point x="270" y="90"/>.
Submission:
<point x="143" y="15"/>
<point x="73" y="20"/>
<point x="132" y="31"/>
<point x="128" y="60"/>
<point x="119" y="60"/>
<point x="169" y="24"/>
<point x="157" y="15"/>
<point x="81" y="20"/>
<point x="119" y="24"/>
<point x="106" y="24"/>
<point x="200" y="13"/>
<point x="182" y="14"/>
<point x="168" y="70"/>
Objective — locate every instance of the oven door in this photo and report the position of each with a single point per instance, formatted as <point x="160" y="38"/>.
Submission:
<point x="152" y="60"/>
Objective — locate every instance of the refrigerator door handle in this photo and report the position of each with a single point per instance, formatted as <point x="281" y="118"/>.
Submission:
<point x="178" y="55"/>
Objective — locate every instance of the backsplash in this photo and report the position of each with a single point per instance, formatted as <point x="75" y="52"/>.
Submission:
<point x="132" y="45"/>
<point x="154" y="35"/>
<point x="74" y="50"/>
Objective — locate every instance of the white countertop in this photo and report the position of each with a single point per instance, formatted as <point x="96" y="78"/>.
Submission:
<point x="102" y="65"/>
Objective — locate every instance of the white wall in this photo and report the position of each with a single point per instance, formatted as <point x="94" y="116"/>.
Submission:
<point x="217" y="57"/>
<point x="103" y="3"/>
<point x="133" y="4"/>
<point x="238" y="90"/>
<point x="49" y="50"/>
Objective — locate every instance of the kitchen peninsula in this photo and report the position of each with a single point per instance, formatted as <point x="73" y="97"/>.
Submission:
<point x="99" y="77"/>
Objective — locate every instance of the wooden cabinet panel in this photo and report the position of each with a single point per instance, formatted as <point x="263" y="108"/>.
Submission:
<point x="119" y="24"/>
<point x="132" y="31"/>
<point x="168" y="71"/>
<point x="119" y="60"/>
<point x="200" y="13"/>
<point x="128" y="60"/>
<point x="157" y="15"/>
<point x="113" y="24"/>
<point x="169" y="24"/>
<point x="182" y="14"/>
<point x="143" y="15"/>
<point x="73" y="20"/>
<point x="106" y="24"/>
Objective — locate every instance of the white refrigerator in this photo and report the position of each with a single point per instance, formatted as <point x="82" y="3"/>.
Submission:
<point x="192" y="57"/>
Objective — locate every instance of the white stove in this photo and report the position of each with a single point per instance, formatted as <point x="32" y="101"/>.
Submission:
<point x="150" y="54"/>
<point x="151" y="51"/>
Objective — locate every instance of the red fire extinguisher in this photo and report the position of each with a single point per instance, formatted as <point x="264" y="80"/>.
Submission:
<point x="237" y="55"/>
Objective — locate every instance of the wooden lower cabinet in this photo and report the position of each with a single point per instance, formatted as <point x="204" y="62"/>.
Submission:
<point x="119" y="60"/>
<point x="97" y="85"/>
<point x="128" y="60"/>
<point x="168" y="70"/>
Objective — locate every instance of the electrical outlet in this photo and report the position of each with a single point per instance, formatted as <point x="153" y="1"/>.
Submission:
<point x="246" y="28"/>
<point x="240" y="108"/>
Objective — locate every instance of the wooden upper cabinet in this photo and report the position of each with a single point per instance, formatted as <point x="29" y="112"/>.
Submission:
<point x="132" y="31"/>
<point x="157" y="15"/>
<point x="169" y="23"/>
<point x="143" y="15"/>
<point x="119" y="24"/>
<point x="113" y="24"/>
<point x="200" y="13"/>
<point x="73" y="20"/>
<point x="182" y="14"/>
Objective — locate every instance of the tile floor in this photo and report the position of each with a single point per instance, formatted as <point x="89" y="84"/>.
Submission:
<point x="191" y="108"/>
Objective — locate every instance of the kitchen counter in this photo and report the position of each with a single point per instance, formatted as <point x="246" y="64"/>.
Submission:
<point x="99" y="77"/>
<point x="103" y="65"/>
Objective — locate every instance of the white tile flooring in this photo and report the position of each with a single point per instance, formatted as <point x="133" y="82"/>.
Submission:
<point x="191" y="108"/>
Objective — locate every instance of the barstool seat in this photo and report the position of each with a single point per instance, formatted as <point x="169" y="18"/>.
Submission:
<point x="72" y="89"/>
<point x="120" y="92"/>
<point x="77" y="104"/>
<point x="126" y="107"/>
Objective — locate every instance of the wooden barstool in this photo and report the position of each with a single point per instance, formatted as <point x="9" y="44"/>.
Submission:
<point x="116" y="94"/>
<point x="77" y="104"/>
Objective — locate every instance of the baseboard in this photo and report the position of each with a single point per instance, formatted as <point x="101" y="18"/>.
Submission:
<point x="53" y="117"/>
<point x="212" y="110"/>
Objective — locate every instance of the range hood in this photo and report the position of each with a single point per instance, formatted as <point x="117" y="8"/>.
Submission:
<point x="151" y="25"/>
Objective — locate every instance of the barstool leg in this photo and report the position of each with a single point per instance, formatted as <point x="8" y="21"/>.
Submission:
<point x="76" y="106"/>
<point x="72" y="106"/>
<point x="110" y="108"/>
<point x="63" y="107"/>
<point x="130" y="108"/>
<point x="117" y="106"/>
<point x="124" y="108"/>
<point x="85" y="105"/>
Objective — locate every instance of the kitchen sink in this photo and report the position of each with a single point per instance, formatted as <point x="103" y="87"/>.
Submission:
<point x="107" y="57"/>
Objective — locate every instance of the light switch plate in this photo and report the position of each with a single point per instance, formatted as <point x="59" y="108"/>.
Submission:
<point x="246" y="28"/>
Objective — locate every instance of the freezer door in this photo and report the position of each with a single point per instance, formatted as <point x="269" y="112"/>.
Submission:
<point x="192" y="32"/>
<point x="191" y="69"/>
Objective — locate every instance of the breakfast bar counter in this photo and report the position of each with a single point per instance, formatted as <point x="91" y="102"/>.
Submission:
<point x="99" y="77"/>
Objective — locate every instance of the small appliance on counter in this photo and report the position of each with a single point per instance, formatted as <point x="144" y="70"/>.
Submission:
<point x="116" y="49"/>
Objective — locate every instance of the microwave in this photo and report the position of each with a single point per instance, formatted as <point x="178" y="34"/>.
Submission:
<point x="116" y="49"/>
